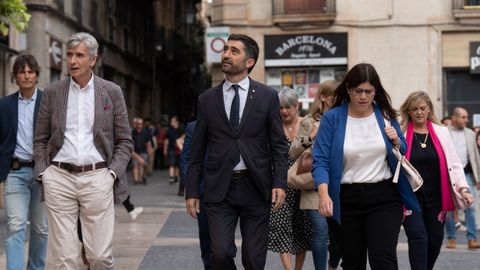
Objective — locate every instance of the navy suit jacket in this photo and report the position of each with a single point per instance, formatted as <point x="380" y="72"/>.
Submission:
<point x="185" y="156"/>
<point x="8" y="129"/>
<point x="327" y="167"/>
<point x="260" y="140"/>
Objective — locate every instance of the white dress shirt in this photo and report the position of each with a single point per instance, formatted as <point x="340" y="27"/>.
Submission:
<point x="78" y="147"/>
<point x="228" y="94"/>
<point x="26" y="109"/>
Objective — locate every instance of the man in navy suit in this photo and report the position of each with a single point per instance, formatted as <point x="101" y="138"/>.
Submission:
<point x="22" y="194"/>
<point x="246" y="168"/>
<point x="203" y="231"/>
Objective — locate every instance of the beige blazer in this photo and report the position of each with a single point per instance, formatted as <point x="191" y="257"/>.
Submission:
<point x="111" y="129"/>
<point x="308" y="199"/>
<point x="473" y="155"/>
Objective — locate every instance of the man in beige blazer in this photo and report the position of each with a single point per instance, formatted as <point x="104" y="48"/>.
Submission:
<point x="81" y="149"/>
<point x="466" y="147"/>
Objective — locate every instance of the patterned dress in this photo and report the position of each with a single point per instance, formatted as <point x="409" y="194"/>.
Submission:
<point x="290" y="227"/>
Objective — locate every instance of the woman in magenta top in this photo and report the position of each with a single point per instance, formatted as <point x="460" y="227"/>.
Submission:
<point x="431" y="152"/>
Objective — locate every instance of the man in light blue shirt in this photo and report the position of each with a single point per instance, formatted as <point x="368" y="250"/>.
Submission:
<point x="22" y="193"/>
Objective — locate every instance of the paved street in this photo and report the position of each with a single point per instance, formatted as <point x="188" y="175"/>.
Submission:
<point x="164" y="237"/>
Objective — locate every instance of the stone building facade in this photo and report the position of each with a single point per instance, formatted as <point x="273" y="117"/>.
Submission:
<point x="122" y="28"/>
<point x="152" y="49"/>
<point x="415" y="45"/>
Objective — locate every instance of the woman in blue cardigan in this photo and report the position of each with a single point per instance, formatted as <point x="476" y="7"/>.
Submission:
<point x="353" y="165"/>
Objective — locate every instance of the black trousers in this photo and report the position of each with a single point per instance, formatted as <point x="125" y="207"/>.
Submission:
<point x="334" y="255"/>
<point x="243" y="202"/>
<point x="425" y="237"/>
<point x="204" y="236"/>
<point x="371" y="216"/>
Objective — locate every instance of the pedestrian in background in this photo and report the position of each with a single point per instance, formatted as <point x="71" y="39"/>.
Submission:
<point x="171" y="151"/>
<point x="22" y="194"/>
<point x="152" y="130"/>
<point x="446" y="121"/>
<point x="142" y="146"/>
<point x="239" y="123"/>
<point x="432" y="152"/>
<point x="309" y="198"/>
<point x="466" y="147"/>
<point x="160" y="135"/>
<point x="202" y="221"/>
<point x="352" y="170"/>
<point x="290" y="228"/>
<point x="81" y="149"/>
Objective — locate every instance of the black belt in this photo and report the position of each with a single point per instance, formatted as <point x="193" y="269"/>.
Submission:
<point x="237" y="175"/>
<point x="72" y="168"/>
<point x="16" y="164"/>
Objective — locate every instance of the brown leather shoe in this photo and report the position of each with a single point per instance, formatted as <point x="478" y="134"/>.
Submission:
<point x="473" y="244"/>
<point x="451" y="243"/>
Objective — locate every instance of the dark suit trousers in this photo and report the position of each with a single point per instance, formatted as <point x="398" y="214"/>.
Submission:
<point x="371" y="216"/>
<point x="425" y="236"/>
<point x="242" y="202"/>
<point x="204" y="236"/>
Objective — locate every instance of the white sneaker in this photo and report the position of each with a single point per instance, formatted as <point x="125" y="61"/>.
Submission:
<point x="135" y="212"/>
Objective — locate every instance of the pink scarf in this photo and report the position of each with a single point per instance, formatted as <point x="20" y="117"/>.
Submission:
<point x="446" y="196"/>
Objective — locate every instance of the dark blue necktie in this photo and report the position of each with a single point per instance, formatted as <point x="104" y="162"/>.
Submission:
<point x="235" y="118"/>
<point x="235" y="109"/>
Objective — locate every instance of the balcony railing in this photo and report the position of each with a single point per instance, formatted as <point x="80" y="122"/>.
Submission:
<point x="467" y="10"/>
<point x="303" y="13"/>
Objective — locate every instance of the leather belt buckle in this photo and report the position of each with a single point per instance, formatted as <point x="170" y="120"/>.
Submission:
<point x="15" y="165"/>
<point x="237" y="175"/>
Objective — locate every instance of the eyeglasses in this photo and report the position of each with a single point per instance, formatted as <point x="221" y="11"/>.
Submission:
<point x="359" y="91"/>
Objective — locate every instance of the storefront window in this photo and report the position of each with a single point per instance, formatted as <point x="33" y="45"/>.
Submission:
<point x="462" y="90"/>
<point x="304" y="80"/>
<point x="472" y="2"/>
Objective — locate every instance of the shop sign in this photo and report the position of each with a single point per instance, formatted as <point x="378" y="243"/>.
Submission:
<point x="306" y="50"/>
<point x="215" y="40"/>
<point x="55" y="54"/>
<point x="475" y="57"/>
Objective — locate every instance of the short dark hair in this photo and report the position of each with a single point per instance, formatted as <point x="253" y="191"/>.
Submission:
<point x="22" y="61"/>
<point x="251" y="47"/>
<point x="359" y="74"/>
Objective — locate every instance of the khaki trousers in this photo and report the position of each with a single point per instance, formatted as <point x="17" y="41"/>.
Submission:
<point x="90" y="196"/>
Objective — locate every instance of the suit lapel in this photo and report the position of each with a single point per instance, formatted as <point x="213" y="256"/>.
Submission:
<point x="100" y="100"/>
<point x="63" y="101"/>
<point x="221" y="105"/>
<point x="37" y="106"/>
<point x="14" y="114"/>
<point x="249" y="102"/>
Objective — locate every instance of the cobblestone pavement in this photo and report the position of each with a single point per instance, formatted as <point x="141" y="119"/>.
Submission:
<point x="165" y="237"/>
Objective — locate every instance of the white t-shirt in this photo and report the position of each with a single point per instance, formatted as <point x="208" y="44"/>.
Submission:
<point x="364" y="152"/>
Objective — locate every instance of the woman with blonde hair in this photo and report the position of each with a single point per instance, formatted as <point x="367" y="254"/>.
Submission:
<point x="431" y="151"/>
<point x="309" y="198"/>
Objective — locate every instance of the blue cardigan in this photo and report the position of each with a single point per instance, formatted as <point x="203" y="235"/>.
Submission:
<point x="327" y="165"/>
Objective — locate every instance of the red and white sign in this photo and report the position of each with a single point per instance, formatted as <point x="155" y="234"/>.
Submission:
<point x="215" y="39"/>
